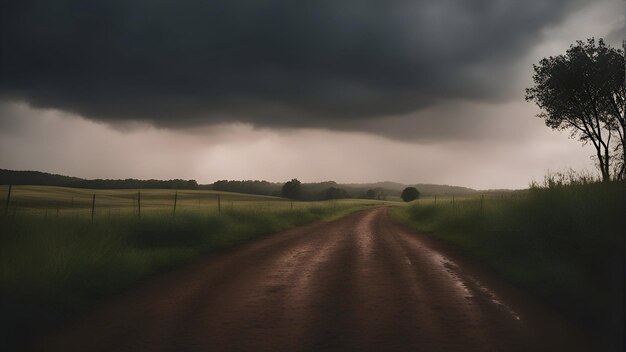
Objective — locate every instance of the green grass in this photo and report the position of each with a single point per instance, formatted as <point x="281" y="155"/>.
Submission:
<point x="563" y="244"/>
<point x="56" y="262"/>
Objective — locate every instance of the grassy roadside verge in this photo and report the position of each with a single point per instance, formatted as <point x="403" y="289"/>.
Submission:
<point x="55" y="269"/>
<point x="563" y="245"/>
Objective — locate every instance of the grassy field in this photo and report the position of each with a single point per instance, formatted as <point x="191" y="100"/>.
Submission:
<point x="562" y="244"/>
<point x="57" y="262"/>
<point x="50" y="201"/>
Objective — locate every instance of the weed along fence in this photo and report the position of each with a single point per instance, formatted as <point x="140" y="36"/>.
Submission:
<point x="49" y="201"/>
<point x="478" y="200"/>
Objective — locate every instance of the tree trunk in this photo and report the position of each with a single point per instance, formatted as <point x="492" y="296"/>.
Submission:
<point x="603" y="164"/>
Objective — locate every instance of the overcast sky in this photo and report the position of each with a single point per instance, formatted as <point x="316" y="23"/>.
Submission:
<point x="354" y="91"/>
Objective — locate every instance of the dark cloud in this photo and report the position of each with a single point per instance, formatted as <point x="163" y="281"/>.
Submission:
<point x="321" y="63"/>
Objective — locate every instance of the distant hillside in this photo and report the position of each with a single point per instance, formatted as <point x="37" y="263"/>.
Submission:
<point x="315" y="191"/>
<point x="43" y="178"/>
<point x="442" y="190"/>
<point x="8" y="177"/>
<point x="395" y="188"/>
<point x="312" y="191"/>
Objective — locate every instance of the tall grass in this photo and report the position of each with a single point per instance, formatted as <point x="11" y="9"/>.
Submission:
<point x="562" y="242"/>
<point x="52" y="269"/>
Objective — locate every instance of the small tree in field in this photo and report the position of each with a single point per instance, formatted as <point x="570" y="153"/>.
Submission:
<point x="583" y="92"/>
<point x="335" y="193"/>
<point x="376" y="193"/>
<point x="292" y="189"/>
<point x="410" y="194"/>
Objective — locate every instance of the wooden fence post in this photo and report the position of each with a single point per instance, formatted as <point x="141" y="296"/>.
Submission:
<point x="93" y="206"/>
<point x="175" y="200"/>
<point x="139" y="204"/>
<point x="6" y="208"/>
<point x="219" y="204"/>
<point x="482" y="198"/>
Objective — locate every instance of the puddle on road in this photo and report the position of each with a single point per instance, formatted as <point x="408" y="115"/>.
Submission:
<point x="451" y="268"/>
<point x="494" y="299"/>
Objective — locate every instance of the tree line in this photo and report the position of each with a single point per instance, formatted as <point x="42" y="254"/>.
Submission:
<point x="11" y="177"/>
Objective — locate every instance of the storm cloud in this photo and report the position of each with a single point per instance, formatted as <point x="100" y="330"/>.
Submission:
<point x="324" y="63"/>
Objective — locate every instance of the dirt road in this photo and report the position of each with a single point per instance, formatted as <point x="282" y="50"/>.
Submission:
<point x="359" y="283"/>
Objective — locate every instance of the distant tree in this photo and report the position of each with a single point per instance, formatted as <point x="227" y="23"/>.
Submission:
<point x="292" y="189"/>
<point x="583" y="92"/>
<point x="376" y="193"/>
<point x="335" y="193"/>
<point x="410" y="194"/>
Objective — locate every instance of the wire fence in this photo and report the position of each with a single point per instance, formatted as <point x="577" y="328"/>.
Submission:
<point x="50" y="201"/>
<point x="58" y="201"/>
